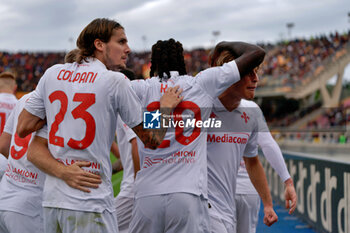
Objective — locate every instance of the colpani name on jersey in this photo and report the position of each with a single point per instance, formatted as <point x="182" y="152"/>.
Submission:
<point x="70" y="76"/>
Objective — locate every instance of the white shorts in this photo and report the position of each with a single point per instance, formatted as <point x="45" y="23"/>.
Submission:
<point x="247" y="210"/>
<point x="13" y="222"/>
<point x="124" y="206"/>
<point x="218" y="225"/>
<point x="73" y="221"/>
<point x="171" y="213"/>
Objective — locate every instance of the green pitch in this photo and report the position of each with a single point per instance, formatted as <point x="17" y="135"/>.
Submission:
<point x="116" y="178"/>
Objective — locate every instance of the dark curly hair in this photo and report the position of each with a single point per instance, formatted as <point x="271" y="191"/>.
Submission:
<point x="100" y="28"/>
<point x="167" y="55"/>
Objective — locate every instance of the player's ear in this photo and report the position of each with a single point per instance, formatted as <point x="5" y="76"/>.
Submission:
<point x="99" y="45"/>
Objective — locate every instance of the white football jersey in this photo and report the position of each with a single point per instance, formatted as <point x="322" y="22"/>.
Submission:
<point x="22" y="184"/>
<point x="237" y="138"/>
<point x="179" y="164"/>
<point x="124" y="135"/>
<point x="81" y="103"/>
<point x="7" y="103"/>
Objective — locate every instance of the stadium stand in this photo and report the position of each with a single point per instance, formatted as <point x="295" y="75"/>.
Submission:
<point x="28" y="67"/>
<point x="292" y="92"/>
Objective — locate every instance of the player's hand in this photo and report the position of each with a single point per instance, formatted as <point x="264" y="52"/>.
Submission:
<point x="270" y="216"/>
<point x="171" y="98"/>
<point x="80" y="179"/>
<point x="290" y="195"/>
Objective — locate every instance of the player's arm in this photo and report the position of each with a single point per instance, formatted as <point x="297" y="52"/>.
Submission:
<point x="117" y="166"/>
<point x="258" y="179"/>
<point x="5" y="142"/>
<point x="247" y="56"/>
<point x="33" y="115"/>
<point x="115" y="150"/>
<point x="135" y="156"/>
<point x="28" y="123"/>
<point x="152" y="138"/>
<point x="274" y="156"/>
<point x="73" y="175"/>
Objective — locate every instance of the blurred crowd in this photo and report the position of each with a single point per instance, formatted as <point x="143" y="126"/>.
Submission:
<point x="195" y="60"/>
<point x="332" y="125"/>
<point x="296" y="62"/>
<point x="287" y="64"/>
<point x="28" y="67"/>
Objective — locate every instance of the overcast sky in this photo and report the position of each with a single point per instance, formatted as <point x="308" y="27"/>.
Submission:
<point x="39" y="25"/>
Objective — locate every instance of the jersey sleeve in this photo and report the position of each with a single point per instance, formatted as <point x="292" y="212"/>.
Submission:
<point x="139" y="87"/>
<point x="216" y="80"/>
<point x="270" y="148"/>
<point x="10" y="123"/>
<point x="251" y="149"/>
<point x="273" y="154"/>
<point x="42" y="132"/>
<point x="129" y="133"/>
<point x="128" y="104"/>
<point x="35" y="104"/>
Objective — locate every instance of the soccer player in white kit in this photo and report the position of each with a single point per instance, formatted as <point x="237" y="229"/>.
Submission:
<point x="81" y="101"/>
<point x="171" y="187"/>
<point x="247" y="199"/>
<point x="22" y="185"/>
<point x="8" y="101"/>
<point x="225" y="150"/>
<point x="223" y="166"/>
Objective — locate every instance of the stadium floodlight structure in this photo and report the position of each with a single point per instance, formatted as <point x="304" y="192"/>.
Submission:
<point x="216" y="35"/>
<point x="144" y="40"/>
<point x="290" y="27"/>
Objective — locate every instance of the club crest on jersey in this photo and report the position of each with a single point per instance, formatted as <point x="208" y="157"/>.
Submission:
<point x="151" y="120"/>
<point x="245" y="117"/>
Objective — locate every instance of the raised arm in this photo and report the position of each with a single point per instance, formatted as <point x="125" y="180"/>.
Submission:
<point x="247" y="56"/>
<point x="258" y="179"/>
